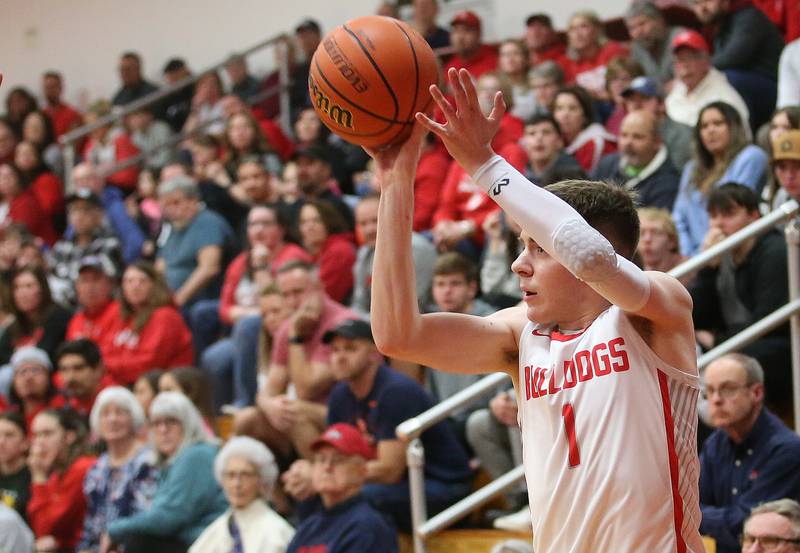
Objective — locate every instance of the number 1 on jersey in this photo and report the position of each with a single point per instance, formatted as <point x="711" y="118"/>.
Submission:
<point x="568" y="414"/>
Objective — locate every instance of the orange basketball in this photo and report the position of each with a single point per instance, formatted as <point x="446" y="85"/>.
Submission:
<point x="369" y="77"/>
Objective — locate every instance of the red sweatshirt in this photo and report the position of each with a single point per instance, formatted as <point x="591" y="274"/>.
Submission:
<point x="335" y="262"/>
<point x="462" y="199"/>
<point x="484" y="60"/>
<point x="238" y="267"/>
<point x="163" y="343"/>
<point x="96" y="326"/>
<point x="25" y="209"/>
<point x="49" y="192"/>
<point x="58" y="506"/>
<point x="428" y="185"/>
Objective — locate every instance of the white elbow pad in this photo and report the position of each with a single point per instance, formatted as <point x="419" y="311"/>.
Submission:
<point x="585" y="252"/>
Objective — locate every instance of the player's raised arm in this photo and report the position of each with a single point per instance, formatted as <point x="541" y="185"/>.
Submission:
<point x="551" y="222"/>
<point x="446" y="341"/>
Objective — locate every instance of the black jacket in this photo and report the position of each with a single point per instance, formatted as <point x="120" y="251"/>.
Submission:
<point x="658" y="189"/>
<point x="747" y="40"/>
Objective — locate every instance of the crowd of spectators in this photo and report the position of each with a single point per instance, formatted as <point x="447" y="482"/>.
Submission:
<point x="168" y="282"/>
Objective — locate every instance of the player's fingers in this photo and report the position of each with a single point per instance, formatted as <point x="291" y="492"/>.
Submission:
<point x="499" y="107"/>
<point x="443" y="103"/>
<point x="457" y="89"/>
<point x="431" y="125"/>
<point x="470" y="93"/>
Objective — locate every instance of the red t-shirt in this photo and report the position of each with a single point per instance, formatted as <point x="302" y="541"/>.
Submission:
<point x="483" y="61"/>
<point x="57" y="507"/>
<point x="64" y="118"/>
<point x="25" y="209"/>
<point x="335" y="262"/>
<point x="164" y="342"/>
<point x="96" y="326"/>
<point x="50" y="193"/>
<point x="428" y="184"/>
<point x="462" y="199"/>
<point x="556" y="52"/>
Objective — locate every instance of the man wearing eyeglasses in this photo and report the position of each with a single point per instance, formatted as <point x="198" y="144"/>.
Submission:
<point x="751" y="457"/>
<point x="773" y="527"/>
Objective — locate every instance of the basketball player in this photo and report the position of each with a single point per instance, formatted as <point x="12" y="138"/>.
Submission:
<point x="601" y="353"/>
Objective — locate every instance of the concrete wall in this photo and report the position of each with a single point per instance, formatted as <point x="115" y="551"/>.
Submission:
<point x="83" y="38"/>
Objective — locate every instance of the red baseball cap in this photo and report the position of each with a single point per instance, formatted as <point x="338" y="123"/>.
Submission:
<point x="690" y="39"/>
<point x="468" y="18"/>
<point x="346" y="439"/>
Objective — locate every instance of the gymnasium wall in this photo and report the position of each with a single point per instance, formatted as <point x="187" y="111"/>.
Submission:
<point x="83" y="38"/>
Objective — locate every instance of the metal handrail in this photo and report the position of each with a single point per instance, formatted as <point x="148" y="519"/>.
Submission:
<point x="415" y="426"/>
<point x="160" y="94"/>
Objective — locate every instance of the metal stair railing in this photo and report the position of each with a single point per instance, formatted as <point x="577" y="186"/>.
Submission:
<point x="69" y="140"/>
<point x="411" y="429"/>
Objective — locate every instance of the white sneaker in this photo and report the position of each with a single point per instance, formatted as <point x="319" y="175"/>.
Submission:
<point x="516" y="522"/>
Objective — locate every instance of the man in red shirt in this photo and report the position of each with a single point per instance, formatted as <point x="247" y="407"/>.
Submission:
<point x="543" y="42"/>
<point x="82" y="375"/>
<point x="465" y="38"/>
<point x="64" y="117"/>
<point x="94" y="288"/>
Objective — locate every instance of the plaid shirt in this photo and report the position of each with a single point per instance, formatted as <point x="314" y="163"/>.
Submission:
<point x="65" y="259"/>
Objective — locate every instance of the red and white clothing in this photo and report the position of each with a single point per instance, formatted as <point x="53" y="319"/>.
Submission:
<point x="590" y="73"/>
<point x="462" y="199"/>
<point x="95" y="326"/>
<point x="591" y="144"/>
<point x="117" y="147"/>
<point x="164" y="342"/>
<point x="609" y="441"/>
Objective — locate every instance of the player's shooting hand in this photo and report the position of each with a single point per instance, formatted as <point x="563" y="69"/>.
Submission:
<point x="400" y="159"/>
<point x="468" y="133"/>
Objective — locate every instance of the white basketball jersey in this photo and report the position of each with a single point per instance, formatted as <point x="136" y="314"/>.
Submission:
<point x="609" y="442"/>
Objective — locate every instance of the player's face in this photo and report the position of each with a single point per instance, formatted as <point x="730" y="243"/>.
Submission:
<point x="552" y="294"/>
<point x="730" y="399"/>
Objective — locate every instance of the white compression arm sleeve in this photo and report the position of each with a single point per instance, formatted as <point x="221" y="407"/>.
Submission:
<point x="565" y="235"/>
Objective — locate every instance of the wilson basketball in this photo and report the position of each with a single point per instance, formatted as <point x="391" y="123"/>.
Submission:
<point x="369" y="77"/>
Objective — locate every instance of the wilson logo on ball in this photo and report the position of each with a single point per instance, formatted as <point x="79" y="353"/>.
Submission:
<point x="344" y="66"/>
<point x="337" y="114"/>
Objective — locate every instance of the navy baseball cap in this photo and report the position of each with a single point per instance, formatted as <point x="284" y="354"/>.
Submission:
<point x="646" y="86"/>
<point x="351" y="328"/>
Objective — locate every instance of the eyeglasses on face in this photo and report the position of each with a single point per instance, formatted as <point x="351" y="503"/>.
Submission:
<point x="768" y="543"/>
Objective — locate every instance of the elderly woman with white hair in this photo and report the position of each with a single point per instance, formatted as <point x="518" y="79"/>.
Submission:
<point x="123" y="481"/>
<point x="247" y="471"/>
<point x="187" y="498"/>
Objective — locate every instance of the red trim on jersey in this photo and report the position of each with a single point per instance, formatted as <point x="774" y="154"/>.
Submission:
<point x="677" y="500"/>
<point x="559" y="337"/>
